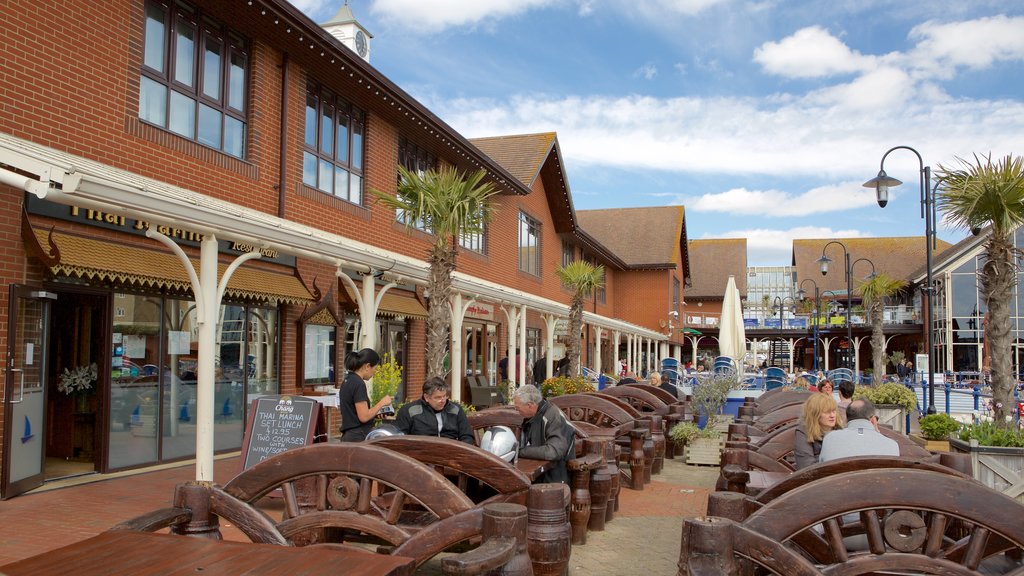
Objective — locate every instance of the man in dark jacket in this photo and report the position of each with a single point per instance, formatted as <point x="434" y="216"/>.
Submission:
<point x="546" y="433"/>
<point x="435" y="415"/>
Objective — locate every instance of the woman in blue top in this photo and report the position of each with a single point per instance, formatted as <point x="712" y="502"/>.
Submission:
<point x="353" y="401"/>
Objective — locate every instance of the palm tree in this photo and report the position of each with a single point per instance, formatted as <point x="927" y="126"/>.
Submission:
<point x="990" y="194"/>
<point x="874" y="292"/>
<point x="583" y="278"/>
<point x="449" y="205"/>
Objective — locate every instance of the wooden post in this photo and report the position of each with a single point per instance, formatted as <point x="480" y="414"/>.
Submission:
<point x="579" y="514"/>
<point x="636" y="458"/>
<point x="600" y="484"/>
<point x="658" y="436"/>
<point x="548" y="532"/>
<point x="706" y="548"/>
<point x="195" y="496"/>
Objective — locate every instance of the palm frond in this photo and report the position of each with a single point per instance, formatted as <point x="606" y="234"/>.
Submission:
<point x="983" y="193"/>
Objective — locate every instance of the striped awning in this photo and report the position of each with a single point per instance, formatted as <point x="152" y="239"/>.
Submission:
<point x="393" y="304"/>
<point x="95" y="259"/>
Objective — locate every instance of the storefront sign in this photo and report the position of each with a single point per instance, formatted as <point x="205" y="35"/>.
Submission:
<point x="480" y="311"/>
<point x="138" y="227"/>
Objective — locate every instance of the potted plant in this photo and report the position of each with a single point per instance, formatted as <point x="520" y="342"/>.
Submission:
<point x="682" y="434"/>
<point x="997" y="455"/>
<point x="77" y="382"/>
<point x="386" y="380"/>
<point x="893" y="402"/>
<point x="935" y="432"/>
<point x="705" y="445"/>
<point x="711" y="393"/>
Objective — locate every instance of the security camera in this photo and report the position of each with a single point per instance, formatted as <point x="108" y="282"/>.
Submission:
<point x="674" y="314"/>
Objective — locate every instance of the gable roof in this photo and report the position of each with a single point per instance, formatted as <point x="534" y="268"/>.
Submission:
<point x="644" y="238"/>
<point x="898" y="257"/>
<point x="713" y="261"/>
<point x="529" y="156"/>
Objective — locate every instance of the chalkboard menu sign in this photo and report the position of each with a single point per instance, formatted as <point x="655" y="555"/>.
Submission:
<point x="278" y="423"/>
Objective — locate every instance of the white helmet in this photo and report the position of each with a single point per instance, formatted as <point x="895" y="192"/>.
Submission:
<point x="383" y="431"/>
<point x="500" y="441"/>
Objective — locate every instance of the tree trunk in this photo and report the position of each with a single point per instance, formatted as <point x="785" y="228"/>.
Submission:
<point x="442" y="263"/>
<point x="876" y="310"/>
<point x="575" y="344"/>
<point x="997" y="279"/>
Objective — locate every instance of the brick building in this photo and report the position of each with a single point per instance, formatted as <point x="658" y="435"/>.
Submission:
<point x="144" y="140"/>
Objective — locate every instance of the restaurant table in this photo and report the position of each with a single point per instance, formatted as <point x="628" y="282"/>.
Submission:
<point x="152" y="554"/>
<point x="532" y="468"/>
<point x="759" y="480"/>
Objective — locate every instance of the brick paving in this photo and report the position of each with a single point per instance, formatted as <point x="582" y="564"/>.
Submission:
<point x="644" y="537"/>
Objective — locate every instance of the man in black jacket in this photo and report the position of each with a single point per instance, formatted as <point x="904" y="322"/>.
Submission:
<point x="435" y="415"/>
<point x="546" y="435"/>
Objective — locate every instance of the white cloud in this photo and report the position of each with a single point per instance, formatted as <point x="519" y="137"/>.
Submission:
<point x="971" y="44"/>
<point x="436" y="15"/>
<point x="686" y="7"/>
<point x="767" y="247"/>
<point x="586" y="8"/>
<point x="810" y="53"/>
<point x="647" y="71"/>
<point x="776" y="203"/>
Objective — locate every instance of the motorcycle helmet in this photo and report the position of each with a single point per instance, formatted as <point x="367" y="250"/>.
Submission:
<point x="500" y="441"/>
<point x="383" y="431"/>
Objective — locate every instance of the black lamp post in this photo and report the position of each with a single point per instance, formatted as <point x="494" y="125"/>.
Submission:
<point x="824" y="262"/>
<point x="780" y="303"/>
<point x="881" y="184"/>
<point x="802" y="295"/>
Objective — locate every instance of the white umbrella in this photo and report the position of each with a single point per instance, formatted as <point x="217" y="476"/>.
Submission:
<point x="732" y="337"/>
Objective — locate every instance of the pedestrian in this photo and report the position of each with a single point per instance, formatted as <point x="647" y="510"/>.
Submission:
<point x="353" y="401"/>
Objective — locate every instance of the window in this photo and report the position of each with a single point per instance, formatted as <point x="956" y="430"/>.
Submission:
<point x="194" y="77"/>
<point x="472" y="241"/>
<point x="568" y="253"/>
<point x="334" y="141"/>
<point x="417" y="160"/>
<point x="529" y="245"/>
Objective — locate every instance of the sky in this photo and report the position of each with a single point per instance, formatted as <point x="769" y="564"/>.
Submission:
<point x="762" y="117"/>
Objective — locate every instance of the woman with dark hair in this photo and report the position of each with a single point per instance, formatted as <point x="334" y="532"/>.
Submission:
<point x="353" y="401"/>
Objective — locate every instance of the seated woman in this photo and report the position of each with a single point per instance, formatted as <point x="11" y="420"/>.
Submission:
<point x="817" y="418"/>
<point x="826" y="387"/>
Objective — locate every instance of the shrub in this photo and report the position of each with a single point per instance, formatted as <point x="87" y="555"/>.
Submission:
<point x="889" y="393"/>
<point x="938" y="426"/>
<point x="988" y="433"/>
<point x="685" y="432"/>
<point x="562" y="385"/>
<point x="466" y="407"/>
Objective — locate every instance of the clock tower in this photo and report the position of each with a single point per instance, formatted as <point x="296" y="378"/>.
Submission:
<point x="349" y="31"/>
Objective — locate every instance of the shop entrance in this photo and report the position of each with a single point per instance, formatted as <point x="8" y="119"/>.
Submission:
<point x="79" y="374"/>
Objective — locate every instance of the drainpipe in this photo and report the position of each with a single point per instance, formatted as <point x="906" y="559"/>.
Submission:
<point x="283" y="153"/>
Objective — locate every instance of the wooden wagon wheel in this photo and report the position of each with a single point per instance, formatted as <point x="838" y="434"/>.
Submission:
<point x="663" y="395"/>
<point x="775" y="399"/>
<point x="349" y="485"/>
<point x="470" y="463"/>
<point x="905" y="516"/>
<point x="640" y="399"/>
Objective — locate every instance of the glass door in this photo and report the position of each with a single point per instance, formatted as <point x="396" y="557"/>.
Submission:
<point x="25" y="390"/>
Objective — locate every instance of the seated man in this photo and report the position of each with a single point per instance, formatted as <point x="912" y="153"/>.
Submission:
<point x="546" y="433"/>
<point x="435" y="415"/>
<point x="860" y="437"/>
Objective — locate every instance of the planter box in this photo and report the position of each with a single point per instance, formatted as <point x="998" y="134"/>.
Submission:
<point x="998" y="468"/>
<point x="892" y="416"/>
<point x="704" y="451"/>
<point x="931" y="445"/>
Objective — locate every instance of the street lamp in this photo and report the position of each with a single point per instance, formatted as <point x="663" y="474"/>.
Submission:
<point x="824" y="262"/>
<point x="881" y="184"/>
<point x="780" y="304"/>
<point x="802" y="295"/>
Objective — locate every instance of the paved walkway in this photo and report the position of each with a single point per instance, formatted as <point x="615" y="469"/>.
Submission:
<point x="644" y="537"/>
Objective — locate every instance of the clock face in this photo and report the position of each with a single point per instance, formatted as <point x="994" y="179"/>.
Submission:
<point x="361" y="43"/>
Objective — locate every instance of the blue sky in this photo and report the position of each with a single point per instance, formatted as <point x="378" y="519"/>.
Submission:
<point x="763" y="118"/>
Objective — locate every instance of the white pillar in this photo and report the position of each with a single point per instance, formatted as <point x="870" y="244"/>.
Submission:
<point x="616" y="336"/>
<point x="208" y="293"/>
<point x="522" y="345"/>
<point x="550" y="320"/>
<point x="511" y="322"/>
<point x="455" y="346"/>
<point x="598" y="333"/>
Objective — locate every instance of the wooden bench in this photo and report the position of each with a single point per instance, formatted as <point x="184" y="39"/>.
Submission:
<point x="646" y="401"/>
<point x="331" y="493"/>
<point x="910" y="521"/>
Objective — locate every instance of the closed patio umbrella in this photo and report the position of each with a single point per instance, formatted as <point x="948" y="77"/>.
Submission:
<point x="732" y="337"/>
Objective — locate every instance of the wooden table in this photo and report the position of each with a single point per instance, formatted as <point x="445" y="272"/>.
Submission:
<point x="151" y="554"/>
<point x="532" y="468"/>
<point x="759" y="480"/>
